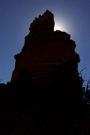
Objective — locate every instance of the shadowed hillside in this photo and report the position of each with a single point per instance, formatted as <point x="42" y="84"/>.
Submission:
<point x="45" y="94"/>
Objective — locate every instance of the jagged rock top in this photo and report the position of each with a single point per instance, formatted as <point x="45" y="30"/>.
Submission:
<point x="44" y="48"/>
<point x="42" y="31"/>
<point x="44" y="23"/>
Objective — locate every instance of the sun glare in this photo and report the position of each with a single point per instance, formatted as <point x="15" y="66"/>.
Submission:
<point x="58" y="26"/>
<point x="61" y="25"/>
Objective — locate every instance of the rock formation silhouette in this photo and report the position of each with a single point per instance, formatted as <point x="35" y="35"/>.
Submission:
<point x="44" y="48"/>
<point x="45" y="93"/>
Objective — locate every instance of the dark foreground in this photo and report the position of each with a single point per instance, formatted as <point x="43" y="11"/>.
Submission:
<point x="22" y="119"/>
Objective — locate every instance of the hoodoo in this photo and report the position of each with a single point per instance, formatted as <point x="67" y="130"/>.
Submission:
<point x="44" y="48"/>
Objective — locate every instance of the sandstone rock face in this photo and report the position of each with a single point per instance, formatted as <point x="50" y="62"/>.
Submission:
<point x="44" y="48"/>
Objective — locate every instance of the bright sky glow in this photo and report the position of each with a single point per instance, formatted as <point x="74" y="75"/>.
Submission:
<point x="61" y="25"/>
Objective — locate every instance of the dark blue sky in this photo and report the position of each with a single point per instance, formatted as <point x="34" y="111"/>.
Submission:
<point x="16" y="16"/>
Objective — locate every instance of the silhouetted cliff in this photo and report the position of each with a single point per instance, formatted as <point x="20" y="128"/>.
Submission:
<point x="44" y="48"/>
<point x="45" y="93"/>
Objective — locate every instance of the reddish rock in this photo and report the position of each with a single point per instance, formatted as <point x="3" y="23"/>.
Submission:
<point x="43" y="48"/>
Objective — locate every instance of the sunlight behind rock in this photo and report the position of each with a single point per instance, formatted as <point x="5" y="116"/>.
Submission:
<point x="61" y="25"/>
